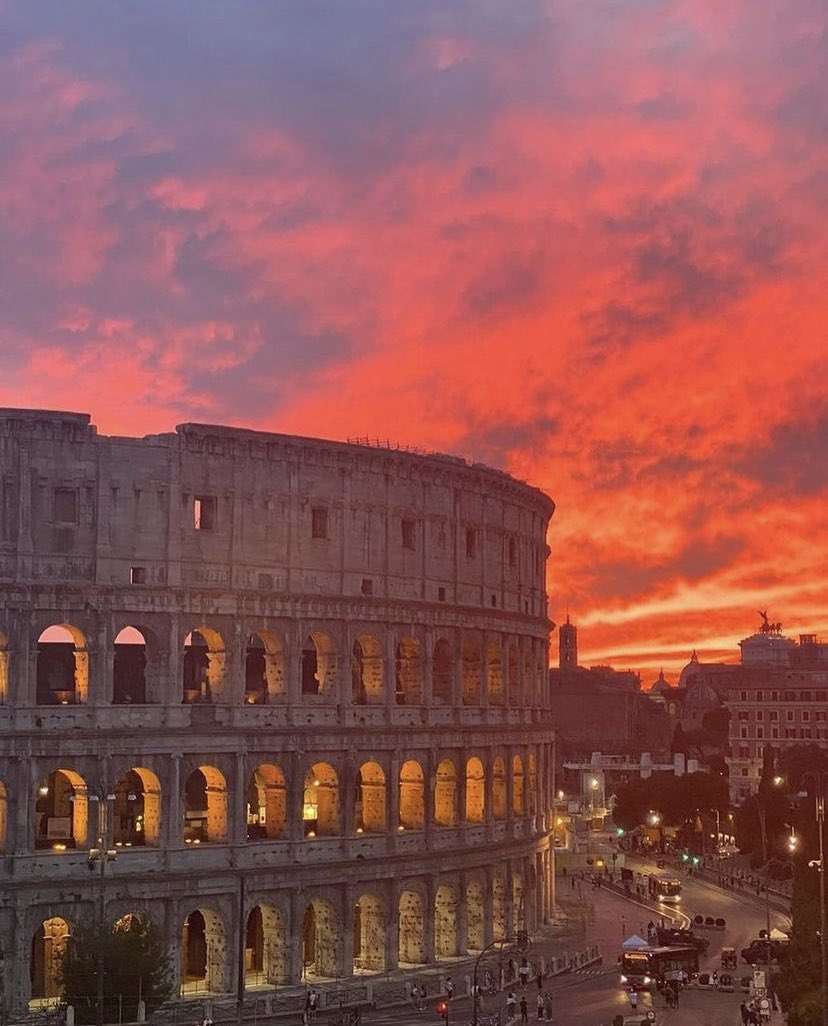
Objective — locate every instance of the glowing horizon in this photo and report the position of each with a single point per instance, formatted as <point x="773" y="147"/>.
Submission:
<point x="585" y="243"/>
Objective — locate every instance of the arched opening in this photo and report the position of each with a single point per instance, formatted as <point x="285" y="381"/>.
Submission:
<point x="499" y="918"/>
<point x="472" y="669"/>
<point x="366" y="671"/>
<point x="442" y="673"/>
<point x="532" y="784"/>
<point x="408" y="673"/>
<point x="264" y="671"/>
<point x="475" y="791"/>
<point x="61" y="812"/>
<point x="369" y="935"/>
<point x="4" y="668"/>
<point x="445" y="922"/>
<point x="475" y="909"/>
<point x="499" y="789"/>
<point x="265" y="947"/>
<point x="266" y="810"/>
<point x="514" y="676"/>
<point x="369" y="812"/>
<point x="494" y="666"/>
<point x="318" y="665"/>
<point x="203" y="666"/>
<point x="445" y="795"/>
<point x="137" y="809"/>
<point x="48" y="945"/>
<point x="203" y="954"/>
<point x="518" y="807"/>
<point x="411" y="930"/>
<point x="62" y="674"/>
<point x="320" y="807"/>
<point x="129" y="664"/>
<point x="320" y="940"/>
<point x="412" y="796"/>
<point x="205" y="807"/>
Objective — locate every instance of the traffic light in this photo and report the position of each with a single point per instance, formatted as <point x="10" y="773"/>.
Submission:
<point x="685" y="857"/>
<point x="696" y="860"/>
<point x="619" y="831"/>
<point x="442" y="1010"/>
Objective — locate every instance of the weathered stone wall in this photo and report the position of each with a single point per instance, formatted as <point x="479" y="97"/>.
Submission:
<point x="307" y="547"/>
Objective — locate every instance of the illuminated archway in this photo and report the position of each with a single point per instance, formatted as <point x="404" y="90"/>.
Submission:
<point x="472" y="671"/>
<point x="499" y="906"/>
<point x="475" y="791"/>
<point x="320" y="940"/>
<point x="320" y="806"/>
<point x="499" y="788"/>
<point x="137" y="809"/>
<point x="411" y="934"/>
<point x="61" y="819"/>
<point x="445" y="795"/>
<point x="518" y="805"/>
<point x="266" y="811"/>
<point x="366" y="671"/>
<point x="203" y="954"/>
<point x="408" y="669"/>
<point x="370" y="814"/>
<point x="264" y="670"/>
<point x="319" y="669"/>
<point x="265" y="947"/>
<point x="369" y="935"/>
<point x="442" y="673"/>
<point x="412" y="796"/>
<point x="475" y="916"/>
<point x="205" y="807"/>
<point x="129" y="664"/>
<point x="445" y="922"/>
<point x="204" y="666"/>
<point x="495" y="674"/>
<point x="62" y="672"/>
<point x="48" y="944"/>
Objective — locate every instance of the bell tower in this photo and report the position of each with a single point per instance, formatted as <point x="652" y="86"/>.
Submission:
<point x="568" y="645"/>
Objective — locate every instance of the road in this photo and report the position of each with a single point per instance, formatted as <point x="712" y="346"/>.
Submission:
<point x="591" y="997"/>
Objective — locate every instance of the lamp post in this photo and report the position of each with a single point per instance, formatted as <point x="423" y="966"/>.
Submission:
<point x="820" y="780"/>
<point x="99" y="857"/>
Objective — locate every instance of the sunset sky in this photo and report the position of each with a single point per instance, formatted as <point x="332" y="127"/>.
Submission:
<point x="585" y="241"/>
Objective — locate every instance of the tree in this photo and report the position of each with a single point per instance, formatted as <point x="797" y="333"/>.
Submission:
<point x="136" y="963"/>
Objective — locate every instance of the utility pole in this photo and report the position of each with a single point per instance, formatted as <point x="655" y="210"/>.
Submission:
<point x="98" y="859"/>
<point x="241" y="969"/>
<point x="820" y="780"/>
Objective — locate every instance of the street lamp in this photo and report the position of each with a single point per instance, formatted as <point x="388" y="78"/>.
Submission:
<point x="819" y="780"/>
<point x="98" y="858"/>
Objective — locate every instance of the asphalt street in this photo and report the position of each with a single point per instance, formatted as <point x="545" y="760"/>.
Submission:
<point x="593" y="996"/>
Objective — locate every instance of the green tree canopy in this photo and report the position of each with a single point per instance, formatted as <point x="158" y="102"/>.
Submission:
<point x="135" y="962"/>
<point x="677" y="799"/>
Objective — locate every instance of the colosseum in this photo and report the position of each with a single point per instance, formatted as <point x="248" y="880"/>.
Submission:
<point x="299" y="687"/>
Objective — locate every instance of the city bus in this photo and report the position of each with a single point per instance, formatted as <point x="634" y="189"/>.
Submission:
<point x="649" y="967"/>
<point x="664" y="889"/>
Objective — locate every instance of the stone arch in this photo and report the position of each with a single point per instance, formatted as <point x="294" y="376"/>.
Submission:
<point x="370" y="814"/>
<point x="411" y="930"/>
<point x="499" y="788"/>
<point x="319" y="671"/>
<point x="494" y="668"/>
<point x="408" y="672"/>
<point x="204" y="665"/>
<point x="513" y="665"/>
<point x="442" y="673"/>
<point x="48" y="944"/>
<point x="472" y="670"/>
<point x="320" y="806"/>
<point x="62" y="671"/>
<point x="499" y="907"/>
<point x="475" y="916"/>
<point x="369" y="935"/>
<point x="264" y="668"/>
<point x="445" y="794"/>
<point x="265" y="946"/>
<point x="4" y="668"/>
<point x="518" y="788"/>
<point x="412" y="795"/>
<point x="129" y="664"/>
<point x="475" y="791"/>
<point x="61" y="817"/>
<point x="445" y="921"/>
<point x="136" y="811"/>
<point x="205" y="807"/>
<point x="320" y="940"/>
<point x="266" y="808"/>
<point x="531" y="784"/>
<point x="203" y="953"/>
<point x="366" y="671"/>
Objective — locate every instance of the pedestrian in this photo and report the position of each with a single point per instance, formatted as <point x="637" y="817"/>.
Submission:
<point x="523" y="972"/>
<point x="540" y="1005"/>
<point x="745" y="1013"/>
<point x="633" y="999"/>
<point x="524" y="1011"/>
<point x="547" y="1004"/>
<point x="449" y="988"/>
<point x="572" y="883"/>
<point x="511" y="1005"/>
<point x="415" y="996"/>
<point x="623" y="926"/>
<point x="539" y="980"/>
<point x="313" y="1003"/>
<point x="423" y="995"/>
<point x="668" y="996"/>
<point x="676" y="993"/>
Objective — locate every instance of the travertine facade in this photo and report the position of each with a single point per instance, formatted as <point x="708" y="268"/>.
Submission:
<point x="305" y="682"/>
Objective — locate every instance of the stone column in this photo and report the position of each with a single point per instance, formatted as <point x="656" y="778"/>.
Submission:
<point x="462" y="916"/>
<point x="484" y="670"/>
<point x="295" y="830"/>
<point x="488" y="905"/>
<point x="172" y="822"/>
<point x="392" y="928"/>
<point x="389" y="672"/>
<point x="460" y="763"/>
<point x="22" y="797"/>
<point x="429" y="889"/>
<point x="237" y="803"/>
<point x="427" y="668"/>
<point x="394" y="796"/>
<point x="345" y="952"/>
